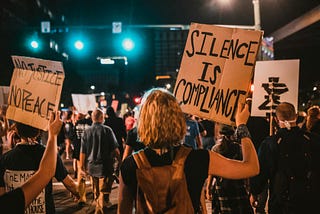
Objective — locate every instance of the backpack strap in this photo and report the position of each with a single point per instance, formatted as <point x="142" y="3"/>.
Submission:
<point x="141" y="160"/>
<point x="181" y="156"/>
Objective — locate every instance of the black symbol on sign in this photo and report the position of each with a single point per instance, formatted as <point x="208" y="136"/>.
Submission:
<point x="274" y="90"/>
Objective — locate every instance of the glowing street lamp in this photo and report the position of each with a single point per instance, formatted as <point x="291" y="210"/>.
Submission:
<point x="127" y="44"/>
<point x="34" y="44"/>
<point x="79" y="45"/>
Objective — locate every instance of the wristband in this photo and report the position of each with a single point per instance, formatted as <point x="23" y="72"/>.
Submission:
<point x="242" y="132"/>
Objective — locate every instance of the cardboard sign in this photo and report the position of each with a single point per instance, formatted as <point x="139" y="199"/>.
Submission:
<point x="4" y="94"/>
<point x="274" y="82"/>
<point x="84" y="102"/>
<point x="123" y="110"/>
<point x="14" y="179"/>
<point x="35" y="90"/>
<point x="216" y="70"/>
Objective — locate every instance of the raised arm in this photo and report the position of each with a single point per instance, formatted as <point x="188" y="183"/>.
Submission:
<point x="234" y="169"/>
<point x="47" y="167"/>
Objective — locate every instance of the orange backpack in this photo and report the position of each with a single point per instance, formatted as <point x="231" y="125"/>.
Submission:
<point x="162" y="189"/>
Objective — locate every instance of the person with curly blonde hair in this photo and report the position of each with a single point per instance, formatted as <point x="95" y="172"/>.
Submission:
<point x="161" y="123"/>
<point x="162" y="127"/>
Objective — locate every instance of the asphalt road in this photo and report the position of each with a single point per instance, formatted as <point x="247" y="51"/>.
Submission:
<point x="65" y="204"/>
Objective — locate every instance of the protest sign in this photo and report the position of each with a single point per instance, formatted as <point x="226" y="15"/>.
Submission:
<point x="84" y="102"/>
<point x="4" y="94"/>
<point x="35" y="90"/>
<point x="274" y="82"/>
<point x="14" y="179"/>
<point x="216" y="71"/>
<point x="124" y="109"/>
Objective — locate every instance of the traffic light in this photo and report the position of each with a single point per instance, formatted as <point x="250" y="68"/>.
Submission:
<point x="34" y="44"/>
<point x="128" y="44"/>
<point x="137" y="100"/>
<point x="79" y="45"/>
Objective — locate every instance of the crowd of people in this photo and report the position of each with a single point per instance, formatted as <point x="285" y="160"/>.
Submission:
<point x="166" y="160"/>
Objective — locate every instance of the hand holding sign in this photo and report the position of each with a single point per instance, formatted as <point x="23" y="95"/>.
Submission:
<point x="35" y="90"/>
<point x="216" y="71"/>
<point x="242" y="115"/>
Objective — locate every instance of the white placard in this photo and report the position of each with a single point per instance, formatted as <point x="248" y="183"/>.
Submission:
<point x="4" y="94"/>
<point x="274" y="82"/>
<point x="84" y="102"/>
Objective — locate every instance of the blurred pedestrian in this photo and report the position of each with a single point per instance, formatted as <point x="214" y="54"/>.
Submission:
<point x="98" y="147"/>
<point x="313" y="119"/>
<point x="192" y="138"/>
<point x="228" y="195"/>
<point x="208" y="140"/>
<point x="289" y="167"/>
<point x="16" y="200"/>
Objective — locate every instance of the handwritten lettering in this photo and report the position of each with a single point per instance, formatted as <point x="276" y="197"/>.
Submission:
<point x="222" y="101"/>
<point x="216" y="70"/>
<point x="24" y="99"/>
<point x="40" y="73"/>
<point x="47" y="76"/>
<point x="231" y="49"/>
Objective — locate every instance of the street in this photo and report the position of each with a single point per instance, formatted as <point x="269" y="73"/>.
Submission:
<point x="65" y="204"/>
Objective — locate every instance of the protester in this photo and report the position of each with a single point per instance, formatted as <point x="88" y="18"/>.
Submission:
<point x="313" y="119"/>
<point x="69" y="134"/>
<point x="129" y="120"/>
<point x="118" y="127"/>
<point x="132" y="142"/>
<point x="228" y="196"/>
<point x="162" y="127"/>
<point x="301" y="120"/>
<point x="193" y="136"/>
<point x="259" y="129"/>
<point x="208" y="140"/>
<point x="16" y="200"/>
<point x="289" y="163"/>
<point x="82" y="123"/>
<point x="24" y="159"/>
<point x="98" y="147"/>
<point x="4" y="126"/>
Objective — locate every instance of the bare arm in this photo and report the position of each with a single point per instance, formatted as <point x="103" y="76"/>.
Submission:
<point x="199" y="141"/>
<point x="69" y="183"/>
<point x="47" y="167"/>
<point x="125" y="198"/>
<point x="234" y="169"/>
<point x="117" y="154"/>
<point x="208" y="187"/>
<point x="127" y="151"/>
<point x="82" y="162"/>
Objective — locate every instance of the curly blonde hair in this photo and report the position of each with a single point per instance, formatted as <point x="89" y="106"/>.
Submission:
<point x="161" y="123"/>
